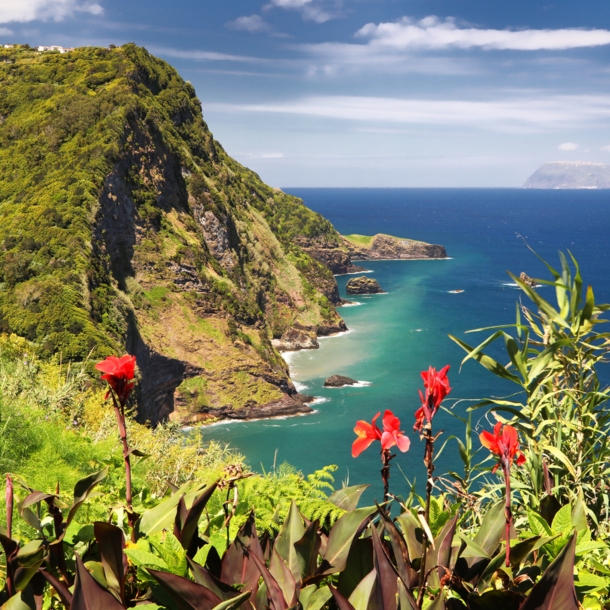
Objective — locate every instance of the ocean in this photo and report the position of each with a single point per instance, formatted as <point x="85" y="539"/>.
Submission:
<point x="394" y="336"/>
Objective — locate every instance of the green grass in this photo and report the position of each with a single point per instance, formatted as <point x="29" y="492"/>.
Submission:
<point x="367" y="240"/>
<point x="157" y="295"/>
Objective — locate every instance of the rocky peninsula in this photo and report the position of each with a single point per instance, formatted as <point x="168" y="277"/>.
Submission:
<point x="570" y="175"/>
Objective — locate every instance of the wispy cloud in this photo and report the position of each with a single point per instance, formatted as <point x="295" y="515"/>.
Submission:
<point x="251" y="23"/>
<point x="432" y="33"/>
<point x="318" y="11"/>
<point x="568" y="146"/>
<point x="519" y="113"/>
<point x="45" y="10"/>
<point x="197" y="55"/>
<point x="5" y="32"/>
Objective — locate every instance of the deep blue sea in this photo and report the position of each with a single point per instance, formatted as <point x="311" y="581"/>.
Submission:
<point x="396" y="335"/>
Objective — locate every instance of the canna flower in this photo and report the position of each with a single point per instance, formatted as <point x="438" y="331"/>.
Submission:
<point x="367" y="433"/>
<point x="391" y="435"/>
<point x="503" y="442"/>
<point x="119" y="372"/>
<point x="437" y="387"/>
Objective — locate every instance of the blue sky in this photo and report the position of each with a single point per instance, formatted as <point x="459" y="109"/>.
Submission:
<point x="369" y="92"/>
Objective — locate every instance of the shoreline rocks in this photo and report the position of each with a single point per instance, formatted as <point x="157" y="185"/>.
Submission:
<point x="527" y="280"/>
<point x="286" y="406"/>
<point x="363" y="285"/>
<point x="339" y="381"/>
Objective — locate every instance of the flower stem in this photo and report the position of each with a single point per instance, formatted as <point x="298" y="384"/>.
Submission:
<point x="120" y="418"/>
<point x="429" y="463"/>
<point x="385" y="473"/>
<point x="508" y="515"/>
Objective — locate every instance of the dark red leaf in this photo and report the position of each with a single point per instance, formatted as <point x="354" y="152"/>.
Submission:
<point x="187" y="594"/>
<point x="342" y="603"/>
<point x="237" y="564"/>
<point x="387" y="576"/>
<point x="555" y="590"/>
<point x="274" y="591"/>
<point x="88" y="595"/>
<point x="111" y="543"/>
<point x="188" y="525"/>
<point x="62" y="590"/>
<point x="208" y="580"/>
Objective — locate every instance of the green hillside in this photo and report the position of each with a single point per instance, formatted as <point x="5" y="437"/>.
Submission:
<point x="125" y="225"/>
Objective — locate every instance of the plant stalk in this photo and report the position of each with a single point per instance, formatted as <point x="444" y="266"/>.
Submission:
<point x="508" y="515"/>
<point x="385" y="473"/>
<point x="429" y="463"/>
<point x="119" y="410"/>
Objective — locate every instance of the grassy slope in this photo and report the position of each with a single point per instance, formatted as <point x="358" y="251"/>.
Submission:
<point x="67" y="124"/>
<point x="367" y="240"/>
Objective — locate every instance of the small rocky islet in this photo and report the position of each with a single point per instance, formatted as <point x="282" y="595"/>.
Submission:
<point x="339" y="381"/>
<point x="363" y="285"/>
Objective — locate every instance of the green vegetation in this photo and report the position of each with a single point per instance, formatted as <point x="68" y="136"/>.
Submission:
<point x="367" y="240"/>
<point x="121" y="216"/>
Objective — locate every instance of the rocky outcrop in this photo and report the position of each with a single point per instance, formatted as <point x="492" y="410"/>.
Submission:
<point x="527" y="280"/>
<point x="386" y="247"/>
<point x="330" y="253"/>
<point x="363" y="285"/>
<point x="339" y="381"/>
<point x="287" y="406"/>
<point x="295" y="339"/>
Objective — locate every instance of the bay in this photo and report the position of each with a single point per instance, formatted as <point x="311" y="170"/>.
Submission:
<point x="396" y="335"/>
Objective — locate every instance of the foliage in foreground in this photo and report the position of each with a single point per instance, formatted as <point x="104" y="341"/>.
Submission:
<point x="477" y="546"/>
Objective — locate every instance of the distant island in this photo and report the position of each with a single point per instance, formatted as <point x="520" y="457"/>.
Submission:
<point x="570" y="175"/>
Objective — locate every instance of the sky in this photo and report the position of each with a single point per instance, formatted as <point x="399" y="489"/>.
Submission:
<point x="369" y="93"/>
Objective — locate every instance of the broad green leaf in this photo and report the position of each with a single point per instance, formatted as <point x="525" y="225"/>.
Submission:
<point x="347" y="497"/>
<point x="591" y="582"/>
<point x="538" y="524"/>
<point x="292" y="531"/>
<point x="314" y="598"/>
<point x="562" y="522"/>
<point x="172" y="553"/>
<point x="160" y="517"/>
<point x="490" y="533"/>
<point x="232" y="604"/>
<point x="360" y="597"/>
<point x="145" y="559"/>
<point x="82" y="489"/>
<point x="473" y="549"/>
<point x="342" y="534"/>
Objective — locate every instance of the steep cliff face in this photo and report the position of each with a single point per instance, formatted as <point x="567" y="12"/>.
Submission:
<point x="125" y="225"/>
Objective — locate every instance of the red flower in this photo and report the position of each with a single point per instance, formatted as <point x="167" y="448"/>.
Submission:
<point x="367" y="433"/>
<point x="437" y="387"/>
<point x="119" y="372"/>
<point x="391" y="435"/>
<point x="504" y="442"/>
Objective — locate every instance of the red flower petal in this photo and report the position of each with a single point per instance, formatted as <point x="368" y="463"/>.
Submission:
<point x="360" y="444"/>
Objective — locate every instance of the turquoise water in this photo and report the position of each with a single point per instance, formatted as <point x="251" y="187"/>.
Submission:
<point x="394" y="336"/>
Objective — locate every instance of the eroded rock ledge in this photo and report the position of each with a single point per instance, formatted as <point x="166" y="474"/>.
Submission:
<point x="287" y="406"/>
<point x="387" y="247"/>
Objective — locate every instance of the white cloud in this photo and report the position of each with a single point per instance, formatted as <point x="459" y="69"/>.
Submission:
<point x="54" y="10"/>
<point x="568" y="146"/>
<point x="605" y="148"/>
<point x="202" y="55"/>
<point x="432" y="33"/>
<point x="5" y="32"/>
<point x="312" y="10"/>
<point x="513" y="114"/>
<point x="261" y="155"/>
<point x="251" y="23"/>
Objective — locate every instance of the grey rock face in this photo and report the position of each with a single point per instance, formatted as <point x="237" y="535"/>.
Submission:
<point x="570" y="175"/>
